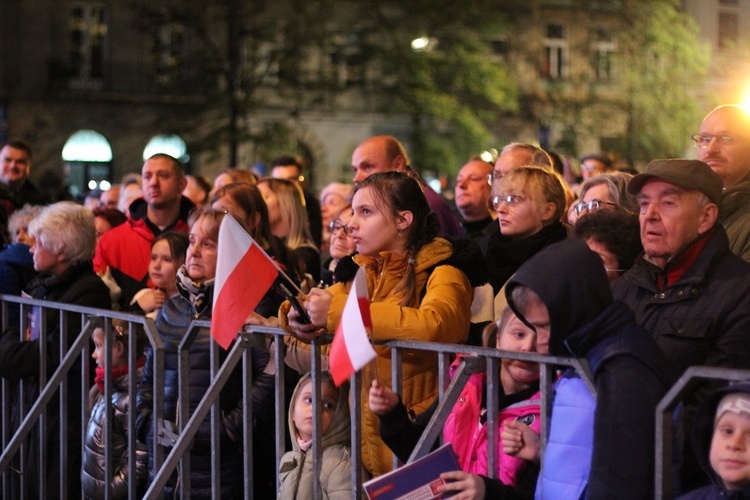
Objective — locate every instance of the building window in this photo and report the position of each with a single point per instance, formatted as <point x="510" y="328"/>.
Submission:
<point x="347" y="61"/>
<point x="555" y="51"/>
<point x="603" y="50"/>
<point x="87" y="157"/>
<point x="87" y="31"/>
<point x="729" y="28"/>
<point x="167" y="52"/>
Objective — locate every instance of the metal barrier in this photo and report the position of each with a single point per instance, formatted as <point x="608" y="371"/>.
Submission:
<point x="31" y="418"/>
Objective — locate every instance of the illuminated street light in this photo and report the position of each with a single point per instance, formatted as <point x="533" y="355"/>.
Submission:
<point x="423" y="43"/>
<point x="420" y="43"/>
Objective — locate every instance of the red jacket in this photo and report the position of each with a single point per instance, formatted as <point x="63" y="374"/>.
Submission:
<point x="126" y="249"/>
<point x="469" y="437"/>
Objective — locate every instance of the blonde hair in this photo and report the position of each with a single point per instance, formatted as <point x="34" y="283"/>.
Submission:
<point x="543" y="182"/>
<point x="292" y="205"/>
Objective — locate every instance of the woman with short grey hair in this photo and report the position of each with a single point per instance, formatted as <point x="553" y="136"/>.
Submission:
<point x="605" y="192"/>
<point x="67" y="230"/>
<point x="64" y="246"/>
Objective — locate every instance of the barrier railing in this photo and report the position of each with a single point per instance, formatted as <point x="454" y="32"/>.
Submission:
<point x="22" y="419"/>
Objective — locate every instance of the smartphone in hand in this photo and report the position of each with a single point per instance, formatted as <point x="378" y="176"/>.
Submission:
<point x="303" y="317"/>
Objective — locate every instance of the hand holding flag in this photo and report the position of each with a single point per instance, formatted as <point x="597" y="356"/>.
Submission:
<point x="351" y="349"/>
<point x="244" y="273"/>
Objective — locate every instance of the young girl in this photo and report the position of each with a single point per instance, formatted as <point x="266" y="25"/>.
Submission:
<point x="94" y="464"/>
<point x="296" y="467"/>
<point x="167" y="255"/>
<point x="529" y="202"/>
<point x="415" y="294"/>
<point x="518" y="401"/>
<point x="195" y="283"/>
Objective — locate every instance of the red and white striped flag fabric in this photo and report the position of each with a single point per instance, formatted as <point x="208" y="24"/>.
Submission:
<point x="351" y="349"/>
<point x="244" y="273"/>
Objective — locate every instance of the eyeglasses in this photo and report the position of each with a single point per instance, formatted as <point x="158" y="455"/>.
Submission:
<point x="590" y="168"/>
<point x="591" y="206"/>
<point x="510" y="199"/>
<point x="337" y="225"/>
<point x="702" y="141"/>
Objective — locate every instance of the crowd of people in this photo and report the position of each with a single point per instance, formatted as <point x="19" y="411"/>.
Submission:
<point x="641" y="275"/>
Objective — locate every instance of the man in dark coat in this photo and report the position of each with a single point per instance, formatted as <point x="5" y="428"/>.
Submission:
<point x="687" y="289"/>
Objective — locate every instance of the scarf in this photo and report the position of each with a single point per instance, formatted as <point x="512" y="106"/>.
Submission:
<point x="117" y="372"/>
<point x="200" y="294"/>
<point x="505" y="255"/>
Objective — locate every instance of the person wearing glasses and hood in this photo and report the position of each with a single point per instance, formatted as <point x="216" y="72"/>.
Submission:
<point x="599" y="447"/>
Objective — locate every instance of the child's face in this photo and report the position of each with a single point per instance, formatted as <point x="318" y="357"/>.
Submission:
<point x="303" y="409"/>
<point x="118" y="351"/>
<point x="537" y="315"/>
<point x="730" y="450"/>
<point x="516" y="336"/>
<point x="163" y="268"/>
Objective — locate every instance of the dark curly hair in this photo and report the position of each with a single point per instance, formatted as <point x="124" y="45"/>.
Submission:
<point x="618" y="230"/>
<point x="395" y="192"/>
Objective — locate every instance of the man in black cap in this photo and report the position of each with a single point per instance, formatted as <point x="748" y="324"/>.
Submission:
<point x="687" y="289"/>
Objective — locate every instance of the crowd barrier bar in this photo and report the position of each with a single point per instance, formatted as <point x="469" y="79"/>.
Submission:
<point x="478" y="359"/>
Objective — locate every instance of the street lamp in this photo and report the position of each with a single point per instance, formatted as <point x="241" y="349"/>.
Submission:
<point x="423" y="43"/>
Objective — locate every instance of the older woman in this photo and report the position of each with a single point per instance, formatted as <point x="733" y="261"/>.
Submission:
<point x="340" y="266"/>
<point x="195" y="283"/>
<point x="604" y="192"/>
<point x="64" y="237"/>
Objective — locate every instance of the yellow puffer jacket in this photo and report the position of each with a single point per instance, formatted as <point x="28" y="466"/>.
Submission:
<point x="441" y="316"/>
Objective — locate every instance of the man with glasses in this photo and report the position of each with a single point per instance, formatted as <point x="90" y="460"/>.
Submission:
<point x="687" y="289"/>
<point x="472" y="196"/>
<point x="723" y="144"/>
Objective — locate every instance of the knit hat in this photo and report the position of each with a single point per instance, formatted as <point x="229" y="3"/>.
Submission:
<point x="736" y="402"/>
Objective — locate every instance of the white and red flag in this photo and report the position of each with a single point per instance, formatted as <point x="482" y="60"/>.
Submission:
<point x="351" y="349"/>
<point x="244" y="273"/>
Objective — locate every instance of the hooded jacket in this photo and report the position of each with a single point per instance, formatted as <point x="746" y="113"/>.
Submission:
<point x="703" y="431"/>
<point x="94" y="463"/>
<point x="626" y="365"/>
<point x="296" y="467"/>
<point x="126" y="249"/>
<point x="442" y="315"/>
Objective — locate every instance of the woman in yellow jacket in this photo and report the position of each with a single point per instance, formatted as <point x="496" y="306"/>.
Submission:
<point x="414" y="295"/>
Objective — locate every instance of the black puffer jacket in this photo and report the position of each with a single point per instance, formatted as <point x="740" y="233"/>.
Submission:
<point x="627" y="366"/>
<point x="172" y="323"/>
<point x="92" y="472"/>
